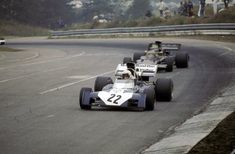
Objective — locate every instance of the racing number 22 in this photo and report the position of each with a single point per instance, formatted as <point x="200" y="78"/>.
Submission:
<point x="114" y="98"/>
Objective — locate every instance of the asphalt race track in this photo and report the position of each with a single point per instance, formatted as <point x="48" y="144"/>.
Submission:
<point x="39" y="89"/>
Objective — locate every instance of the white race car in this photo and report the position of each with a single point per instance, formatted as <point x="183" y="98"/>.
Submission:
<point x="2" y="41"/>
<point x="127" y="90"/>
<point x="143" y="71"/>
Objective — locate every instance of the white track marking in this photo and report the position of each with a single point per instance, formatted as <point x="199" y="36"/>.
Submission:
<point x="26" y="59"/>
<point x="223" y="54"/>
<point x="226" y="53"/>
<point x="229" y="49"/>
<point x="104" y="54"/>
<point x="78" y="77"/>
<point x="73" y="83"/>
<point x="51" y="116"/>
<point x="46" y="61"/>
<point x="32" y="57"/>
<point x="25" y="76"/>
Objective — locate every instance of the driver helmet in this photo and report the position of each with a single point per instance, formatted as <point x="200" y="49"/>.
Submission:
<point x="159" y="45"/>
<point x="160" y="53"/>
<point x="127" y="75"/>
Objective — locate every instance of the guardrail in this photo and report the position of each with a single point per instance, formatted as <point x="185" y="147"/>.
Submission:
<point x="217" y="27"/>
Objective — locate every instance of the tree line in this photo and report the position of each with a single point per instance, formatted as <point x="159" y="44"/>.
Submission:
<point x="57" y="13"/>
<point x="44" y="13"/>
<point x="115" y="9"/>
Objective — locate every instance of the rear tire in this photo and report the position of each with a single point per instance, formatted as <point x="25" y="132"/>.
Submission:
<point x="164" y="89"/>
<point x="150" y="99"/>
<point x="82" y="99"/>
<point x="137" y="56"/>
<point x="127" y="60"/>
<point x="101" y="81"/>
<point x="181" y="60"/>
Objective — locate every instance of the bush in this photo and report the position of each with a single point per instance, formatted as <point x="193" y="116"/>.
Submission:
<point x="225" y="16"/>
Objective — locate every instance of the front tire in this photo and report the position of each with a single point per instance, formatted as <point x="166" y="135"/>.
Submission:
<point x="164" y="89"/>
<point x="102" y="81"/>
<point x="150" y="99"/>
<point x="127" y="60"/>
<point x="84" y="105"/>
<point x="137" y="56"/>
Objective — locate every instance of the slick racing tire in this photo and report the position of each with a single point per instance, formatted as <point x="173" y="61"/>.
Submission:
<point x="127" y="60"/>
<point x="82" y="103"/>
<point x="150" y="99"/>
<point x="137" y="56"/>
<point x="102" y="81"/>
<point x="164" y="89"/>
<point x="169" y="64"/>
<point x="181" y="60"/>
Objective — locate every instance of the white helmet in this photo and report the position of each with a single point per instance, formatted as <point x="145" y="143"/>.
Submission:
<point x="126" y="74"/>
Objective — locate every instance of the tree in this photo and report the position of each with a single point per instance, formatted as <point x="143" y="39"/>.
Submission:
<point x="91" y="8"/>
<point x="37" y="12"/>
<point x="138" y="9"/>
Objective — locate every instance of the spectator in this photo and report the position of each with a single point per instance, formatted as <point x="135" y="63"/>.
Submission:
<point x="215" y="7"/>
<point x="226" y="3"/>
<point x="162" y="6"/>
<point x="148" y="14"/>
<point x="185" y="8"/>
<point x="190" y="8"/>
<point x="201" y="11"/>
<point x="167" y="13"/>
<point x="181" y="9"/>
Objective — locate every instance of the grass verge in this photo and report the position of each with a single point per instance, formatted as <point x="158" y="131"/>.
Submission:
<point x="13" y="28"/>
<point x="220" y="38"/>
<point x="220" y="141"/>
<point x="7" y="49"/>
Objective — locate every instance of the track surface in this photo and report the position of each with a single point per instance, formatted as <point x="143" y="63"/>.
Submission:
<point x="39" y="90"/>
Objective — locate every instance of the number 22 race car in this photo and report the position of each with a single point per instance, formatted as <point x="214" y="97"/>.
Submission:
<point x="126" y="92"/>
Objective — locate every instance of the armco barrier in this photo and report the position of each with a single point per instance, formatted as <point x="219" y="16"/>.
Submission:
<point x="217" y="28"/>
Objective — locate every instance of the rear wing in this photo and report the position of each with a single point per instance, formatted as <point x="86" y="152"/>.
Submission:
<point x="164" y="46"/>
<point x="171" y="46"/>
<point x="142" y="70"/>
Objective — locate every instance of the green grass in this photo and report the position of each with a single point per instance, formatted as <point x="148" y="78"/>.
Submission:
<point x="220" y="38"/>
<point x="12" y="28"/>
<point x="7" y="49"/>
<point x="220" y="141"/>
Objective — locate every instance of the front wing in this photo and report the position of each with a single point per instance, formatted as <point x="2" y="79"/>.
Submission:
<point x="137" y="100"/>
